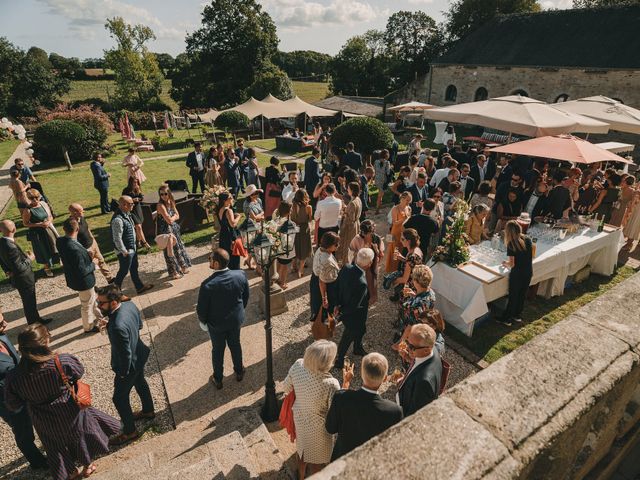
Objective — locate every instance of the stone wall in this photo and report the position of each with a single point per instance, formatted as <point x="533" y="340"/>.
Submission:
<point x="551" y="409"/>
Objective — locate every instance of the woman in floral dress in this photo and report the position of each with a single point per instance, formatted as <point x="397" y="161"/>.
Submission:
<point x="175" y="254"/>
<point x="419" y="298"/>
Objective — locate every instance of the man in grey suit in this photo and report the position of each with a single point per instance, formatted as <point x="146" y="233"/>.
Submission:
<point x="221" y="303"/>
<point x="129" y="355"/>
<point x="17" y="266"/>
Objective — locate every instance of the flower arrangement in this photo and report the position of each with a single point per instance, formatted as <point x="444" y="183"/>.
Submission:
<point x="271" y="231"/>
<point x="209" y="200"/>
<point x="455" y="244"/>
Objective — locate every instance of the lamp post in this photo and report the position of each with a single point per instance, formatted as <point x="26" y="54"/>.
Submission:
<point x="266" y="252"/>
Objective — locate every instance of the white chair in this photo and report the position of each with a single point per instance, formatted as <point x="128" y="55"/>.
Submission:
<point x="440" y="129"/>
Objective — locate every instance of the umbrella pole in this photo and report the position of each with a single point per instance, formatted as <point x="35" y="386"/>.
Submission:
<point x="262" y="121"/>
<point x="509" y="139"/>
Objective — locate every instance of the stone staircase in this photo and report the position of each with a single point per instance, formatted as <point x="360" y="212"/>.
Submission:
<point x="202" y="452"/>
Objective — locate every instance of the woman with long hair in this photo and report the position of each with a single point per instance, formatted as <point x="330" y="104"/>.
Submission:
<point x="42" y="234"/>
<point x="134" y="190"/>
<point x="175" y="254"/>
<point x="228" y="228"/>
<point x="212" y="168"/>
<point x="273" y="191"/>
<point x="323" y="286"/>
<point x="134" y="164"/>
<point x="368" y="239"/>
<point x="520" y="253"/>
<point x="408" y="257"/>
<point x="350" y="225"/>
<point x="283" y="214"/>
<point x="70" y="436"/>
<point x="253" y="170"/>
<point x="400" y="213"/>
<point x="474" y="226"/>
<point x="301" y="215"/>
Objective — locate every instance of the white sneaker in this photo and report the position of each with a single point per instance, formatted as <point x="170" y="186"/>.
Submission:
<point x="517" y="320"/>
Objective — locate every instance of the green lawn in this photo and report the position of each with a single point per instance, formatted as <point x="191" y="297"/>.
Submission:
<point x="492" y="340"/>
<point x="6" y="150"/>
<point x="82" y="89"/>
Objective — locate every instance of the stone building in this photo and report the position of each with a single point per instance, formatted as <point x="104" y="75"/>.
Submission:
<point x="554" y="56"/>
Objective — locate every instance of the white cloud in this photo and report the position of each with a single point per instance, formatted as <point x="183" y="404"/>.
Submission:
<point x="420" y="2"/>
<point x="559" y="4"/>
<point x="296" y="14"/>
<point x="85" y="15"/>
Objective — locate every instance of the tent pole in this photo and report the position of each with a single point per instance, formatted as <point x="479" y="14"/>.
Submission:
<point x="509" y="139"/>
<point x="262" y="120"/>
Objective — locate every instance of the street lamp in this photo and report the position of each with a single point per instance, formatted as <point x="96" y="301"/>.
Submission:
<point x="266" y="252"/>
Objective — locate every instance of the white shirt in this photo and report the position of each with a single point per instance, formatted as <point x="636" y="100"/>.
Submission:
<point x="531" y="204"/>
<point x="200" y="161"/>
<point x="463" y="184"/>
<point x="418" y="361"/>
<point x="483" y="171"/>
<point x="438" y="176"/>
<point x="375" y="392"/>
<point x="288" y="193"/>
<point x="328" y="212"/>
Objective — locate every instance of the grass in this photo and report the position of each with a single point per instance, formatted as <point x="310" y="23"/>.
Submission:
<point x="6" y="150"/>
<point x="82" y="89"/>
<point x="492" y="340"/>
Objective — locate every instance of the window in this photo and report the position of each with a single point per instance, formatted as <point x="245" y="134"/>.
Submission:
<point x="451" y="93"/>
<point x="561" y="98"/>
<point x="481" y="94"/>
<point x="520" y="92"/>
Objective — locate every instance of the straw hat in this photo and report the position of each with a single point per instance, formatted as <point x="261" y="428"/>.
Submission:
<point x="252" y="189"/>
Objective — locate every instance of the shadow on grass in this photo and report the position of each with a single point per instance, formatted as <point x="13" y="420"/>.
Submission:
<point x="493" y="340"/>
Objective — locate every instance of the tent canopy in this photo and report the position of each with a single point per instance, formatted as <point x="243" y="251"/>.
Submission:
<point x="519" y="115"/>
<point x="411" y="107"/>
<point x="619" y="116"/>
<point x="271" y="99"/>
<point x="616" y="147"/>
<point x="298" y="106"/>
<point x="253" y="108"/>
<point x="561" y="147"/>
<point x="209" y="116"/>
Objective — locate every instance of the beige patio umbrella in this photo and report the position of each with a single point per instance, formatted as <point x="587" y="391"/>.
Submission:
<point x="619" y="116"/>
<point x="562" y="147"/>
<point x="411" y="107"/>
<point x="519" y="115"/>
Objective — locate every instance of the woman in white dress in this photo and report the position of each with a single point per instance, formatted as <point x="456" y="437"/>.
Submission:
<point x="632" y="228"/>
<point x="134" y="166"/>
<point x="314" y="387"/>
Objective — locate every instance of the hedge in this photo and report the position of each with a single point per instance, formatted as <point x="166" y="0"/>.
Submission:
<point x="367" y="134"/>
<point x="51" y="138"/>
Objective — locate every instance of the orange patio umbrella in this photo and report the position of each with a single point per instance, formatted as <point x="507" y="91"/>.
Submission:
<point x="562" y="147"/>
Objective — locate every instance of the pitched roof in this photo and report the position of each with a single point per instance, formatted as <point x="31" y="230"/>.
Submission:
<point x="369" y="106"/>
<point x="590" y="38"/>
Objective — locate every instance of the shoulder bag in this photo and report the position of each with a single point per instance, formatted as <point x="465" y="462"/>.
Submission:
<point x="321" y="330"/>
<point x="81" y="394"/>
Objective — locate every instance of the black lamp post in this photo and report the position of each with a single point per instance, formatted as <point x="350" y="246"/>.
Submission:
<point x="266" y="253"/>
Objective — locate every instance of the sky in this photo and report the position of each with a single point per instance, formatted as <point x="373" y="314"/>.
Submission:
<point x="75" y="28"/>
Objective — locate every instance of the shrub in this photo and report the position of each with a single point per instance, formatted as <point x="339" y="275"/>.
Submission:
<point x="232" y="121"/>
<point x="140" y="120"/>
<point x="159" y="143"/>
<point x="51" y="139"/>
<point x="367" y="134"/>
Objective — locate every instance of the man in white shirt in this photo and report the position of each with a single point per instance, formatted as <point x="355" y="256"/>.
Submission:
<point x="195" y="162"/>
<point x="290" y="190"/>
<point x="442" y="173"/>
<point x="328" y="212"/>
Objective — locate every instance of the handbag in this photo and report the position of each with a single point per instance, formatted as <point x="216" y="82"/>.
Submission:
<point x="446" y="369"/>
<point x="275" y="193"/>
<point x="285" y="419"/>
<point x="162" y="240"/>
<point x="237" y="248"/>
<point x="81" y="394"/>
<point x="321" y="330"/>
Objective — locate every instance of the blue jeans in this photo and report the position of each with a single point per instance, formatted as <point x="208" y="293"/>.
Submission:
<point x="220" y="340"/>
<point x="128" y="264"/>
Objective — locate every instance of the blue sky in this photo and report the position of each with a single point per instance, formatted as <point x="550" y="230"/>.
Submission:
<point x="76" y="27"/>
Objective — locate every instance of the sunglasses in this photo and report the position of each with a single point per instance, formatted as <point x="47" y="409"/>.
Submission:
<point x="164" y="194"/>
<point x="412" y="347"/>
<point x="103" y="302"/>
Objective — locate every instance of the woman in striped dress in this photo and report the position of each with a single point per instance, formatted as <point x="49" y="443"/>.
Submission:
<point x="70" y="436"/>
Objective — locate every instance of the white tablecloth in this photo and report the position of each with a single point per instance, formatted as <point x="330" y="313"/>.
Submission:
<point x="463" y="299"/>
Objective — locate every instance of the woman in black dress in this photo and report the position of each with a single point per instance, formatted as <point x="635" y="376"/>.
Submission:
<point x="228" y="228"/>
<point x="134" y="191"/>
<point x="175" y="254"/>
<point x="520" y="253"/>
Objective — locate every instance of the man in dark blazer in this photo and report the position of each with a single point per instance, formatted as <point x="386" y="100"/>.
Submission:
<point x="534" y="201"/>
<point x="129" y="355"/>
<point x="352" y="159"/>
<point x="448" y="148"/>
<point x="20" y="422"/>
<point x="243" y="154"/>
<point x="479" y="172"/>
<point x="195" y="162"/>
<point x="79" y="272"/>
<point x="353" y="304"/>
<point x="452" y="176"/>
<point x="424" y="224"/>
<point x="359" y="415"/>
<point x="420" y="385"/>
<point x="101" y="182"/>
<point x="221" y="303"/>
<point x="419" y="194"/>
<point x="17" y="266"/>
<point x="312" y="173"/>
<point x="232" y="167"/>
<point x="468" y="183"/>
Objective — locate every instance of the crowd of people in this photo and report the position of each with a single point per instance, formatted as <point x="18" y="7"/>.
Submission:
<point x="339" y="243"/>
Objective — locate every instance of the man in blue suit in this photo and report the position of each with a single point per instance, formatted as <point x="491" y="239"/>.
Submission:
<point x="352" y="159"/>
<point x="232" y="166"/>
<point x="129" y="355"/>
<point x="312" y="173"/>
<point x="353" y="304"/>
<point x="20" y="422"/>
<point x="221" y="303"/>
<point x="101" y="182"/>
<point x="243" y="154"/>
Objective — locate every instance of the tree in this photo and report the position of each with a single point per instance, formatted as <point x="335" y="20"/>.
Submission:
<point x="59" y="138"/>
<point x="464" y="16"/>
<point x="232" y="121"/>
<point x="165" y="61"/>
<point x="235" y="42"/>
<point x="303" y="64"/>
<point x="66" y="67"/>
<point x="366" y="133"/>
<point x="38" y="55"/>
<point x="602" y="3"/>
<point x="137" y="74"/>
<point x="25" y="83"/>
<point x="272" y="81"/>
<point x="412" y="41"/>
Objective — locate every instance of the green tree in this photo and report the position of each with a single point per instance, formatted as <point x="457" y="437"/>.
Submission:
<point x="38" y="55"/>
<point x="235" y="42"/>
<point x="166" y="62"/>
<point x="60" y="139"/>
<point x="137" y="74"/>
<point x="464" y="16"/>
<point x="367" y="134"/>
<point x="232" y="121"/>
<point x="25" y="83"/>
<point x="412" y="41"/>
<point x="303" y="64"/>
<point x="272" y="81"/>
<point x="66" y="67"/>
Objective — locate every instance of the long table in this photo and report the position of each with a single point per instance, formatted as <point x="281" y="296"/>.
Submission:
<point x="462" y="299"/>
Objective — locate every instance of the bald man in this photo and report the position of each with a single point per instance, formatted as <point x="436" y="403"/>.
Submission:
<point x="17" y="266"/>
<point x="123" y="234"/>
<point x="88" y="241"/>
